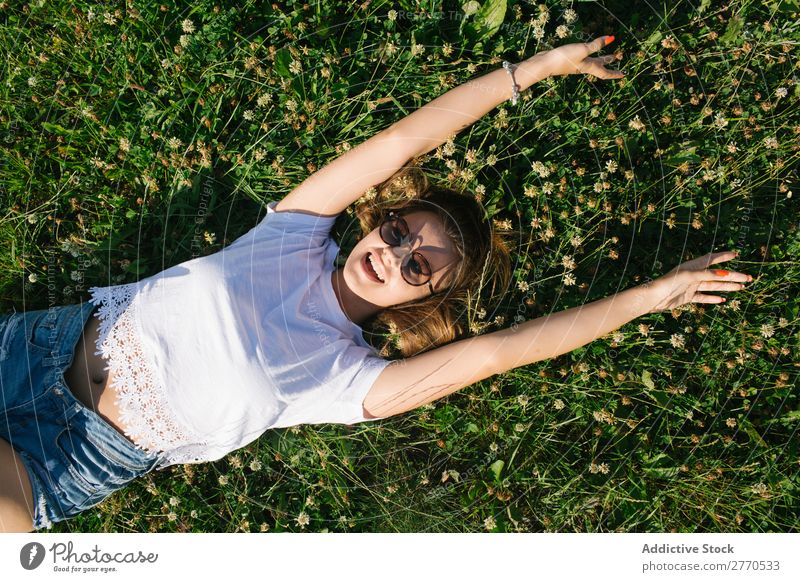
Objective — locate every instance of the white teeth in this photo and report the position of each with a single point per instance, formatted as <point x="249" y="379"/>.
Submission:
<point x="369" y="258"/>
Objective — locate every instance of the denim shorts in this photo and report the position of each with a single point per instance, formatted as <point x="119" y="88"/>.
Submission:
<point x="74" y="458"/>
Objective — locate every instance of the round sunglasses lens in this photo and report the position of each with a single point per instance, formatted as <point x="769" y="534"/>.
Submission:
<point x="416" y="270"/>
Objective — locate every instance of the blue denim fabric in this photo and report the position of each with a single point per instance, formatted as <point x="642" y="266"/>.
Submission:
<point x="74" y="458"/>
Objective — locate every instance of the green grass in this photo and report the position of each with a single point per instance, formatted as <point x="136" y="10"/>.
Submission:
<point x="116" y="136"/>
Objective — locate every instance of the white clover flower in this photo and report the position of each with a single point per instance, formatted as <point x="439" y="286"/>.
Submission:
<point x="264" y="100"/>
<point x="611" y="166"/>
<point x="618" y="336"/>
<point x="184" y="40"/>
<point x="781" y="92"/>
<point x="187" y="26"/>
<point x="770" y="142"/>
<point x="568" y="262"/>
<point x="636" y="124"/>
<point x="124" y="144"/>
<point x="248" y="115"/>
<point x="767" y="330"/>
<point x="303" y="519"/>
<point x="540" y="169"/>
<point x="562" y="31"/>
<point x="33" y="278"/>
<point x="569" y="279"/>
<point x="109" y="18"/>
<point x="677" y="340"/>
<point x="392" y="15"/>
<point x="32" y="82"/>
<point x="489" y="523"/>
<point x="570" y="16"/>
<point x="523" y="286"/>
<point x="296" y="67"/>
<point x="558" y="404"/>
<point x="720" y="121"/>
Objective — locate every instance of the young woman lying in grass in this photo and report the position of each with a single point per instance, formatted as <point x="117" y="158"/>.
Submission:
<point x="200" y="359"/>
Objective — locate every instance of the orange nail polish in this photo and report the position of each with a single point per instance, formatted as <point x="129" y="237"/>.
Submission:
<point x="609" y="39"/>
<point x="722" y="273"/>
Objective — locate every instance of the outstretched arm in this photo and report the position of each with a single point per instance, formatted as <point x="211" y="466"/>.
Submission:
<point x="432" y="125"/>
<point x="411" y="382"/>
<point x="341" y="182"/>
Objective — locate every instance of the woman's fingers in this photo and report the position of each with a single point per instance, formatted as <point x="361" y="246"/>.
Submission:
<point x="719" y="286"/>
<point x="700" y="298"/>
<point x="598" y="43"/>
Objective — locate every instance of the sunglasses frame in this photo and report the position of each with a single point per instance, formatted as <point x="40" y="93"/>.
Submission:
<point x="394" y="217"/>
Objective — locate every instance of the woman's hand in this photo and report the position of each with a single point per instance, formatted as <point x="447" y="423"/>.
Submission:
<point x="573" y="59"/>
<point x="683" y="283"/>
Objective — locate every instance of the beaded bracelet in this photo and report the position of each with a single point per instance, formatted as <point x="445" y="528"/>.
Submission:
<point x="510" y="70"/>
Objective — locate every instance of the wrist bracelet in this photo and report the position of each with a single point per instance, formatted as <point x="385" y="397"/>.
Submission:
<point x="510" y="70"/>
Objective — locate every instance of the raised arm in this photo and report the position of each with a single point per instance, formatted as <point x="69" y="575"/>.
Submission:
<point x="341" y="182"/>
<point x="412" y="382"/>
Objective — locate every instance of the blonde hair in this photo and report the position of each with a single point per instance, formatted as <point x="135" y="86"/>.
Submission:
<point x="484" y="263"/>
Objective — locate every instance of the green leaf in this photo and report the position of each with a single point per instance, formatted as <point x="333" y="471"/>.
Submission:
<point x="653" y="39"/>
<point x="735" y="25"/>
<point x="496" y="468"/>
<point x="283" y="59"/>
<point x="55" y="128"/>
<point x="487" y="20"/>
<point x="647" y="379"/>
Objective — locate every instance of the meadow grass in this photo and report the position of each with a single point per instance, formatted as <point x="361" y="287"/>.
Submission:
<point x="135" y="136"/>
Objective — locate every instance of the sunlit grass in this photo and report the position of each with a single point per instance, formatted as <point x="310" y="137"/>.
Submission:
<point x="121" y="127"/>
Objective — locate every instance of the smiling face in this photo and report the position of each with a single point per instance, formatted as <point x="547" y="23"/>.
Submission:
<point x="427" y="237"/>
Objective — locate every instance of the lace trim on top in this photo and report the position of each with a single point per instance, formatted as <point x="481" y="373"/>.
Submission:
<point x="142" y="401"/>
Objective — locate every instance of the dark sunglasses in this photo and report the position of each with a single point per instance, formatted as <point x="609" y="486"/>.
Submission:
<point x="415" y="268"/>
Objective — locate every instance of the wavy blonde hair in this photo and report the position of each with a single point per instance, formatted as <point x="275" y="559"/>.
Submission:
<point x="414" y="327"/>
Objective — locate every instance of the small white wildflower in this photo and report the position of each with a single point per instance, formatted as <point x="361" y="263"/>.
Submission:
<point x="264" y="100"/>
<point x="783" y="322"/>
<point x="174" y="143"/>
<point x="184" y="40"/>
<point x="489" y="523"/>
<point x="108" y="18"/>
<point x="568" y="262"/>
<point x="636" y="124"/>
<point x="249" y="115"/>
<point x="540" y="169"/>
<point x="174" y="501"/>
<point x="33" y="278"/>
<point x="255" y="465"/>
<point x="569" y="279"/>
<point x="187" y="26"/>
<point x="781" y="92"/>
<point x="172" y="516"/>
<point x="392" y="15"/>
<point x="570" y="16"/>
<point x="677" y="340"/>
<point x="644" y="329"/>
<point x="720" y="121"/>
<point x="611" y="166"/>
<point x="618" y="336"/>
<point x="32" y="81"/>
<point x="558" y="404"/>
<point x="767" y="330"/>
<point x="296" y="67"/>
<point x="124" y="144"/>
<point x="562" y="31"/>
<point x="770" y="143"/>
<point x="303" y="519"/>
<point x="523" y="286"/>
